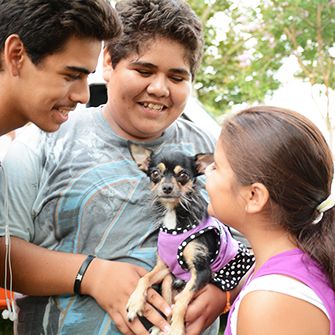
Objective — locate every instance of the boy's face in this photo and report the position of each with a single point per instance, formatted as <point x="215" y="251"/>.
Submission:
<point x="147" y="91"/>
<point x="48" y="91"/>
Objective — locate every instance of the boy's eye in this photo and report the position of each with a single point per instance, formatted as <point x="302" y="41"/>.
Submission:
<point x="155" y="176"/>
<point x="183" y="178"/>
<point x="177" y="78"/>
<point x="144" y="72"/>
<point x="72" y="76"/>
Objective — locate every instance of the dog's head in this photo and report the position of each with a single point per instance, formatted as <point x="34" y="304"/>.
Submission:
<point x="172" y="173"/>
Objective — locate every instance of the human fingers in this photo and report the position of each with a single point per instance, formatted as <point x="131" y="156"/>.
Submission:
<point x="205" y="307"/>
<point x="121" y="325"/>
<point x="156" y="300"/>
<point x="195" y="327"/>
<point x="156" y="318"/>
<point x="154" y="306"/>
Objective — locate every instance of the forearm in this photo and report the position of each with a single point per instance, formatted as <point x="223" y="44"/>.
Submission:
<point x="39" y="271"/>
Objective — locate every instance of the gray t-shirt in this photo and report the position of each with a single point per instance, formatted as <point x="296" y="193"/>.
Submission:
<point x="78" y="190"/>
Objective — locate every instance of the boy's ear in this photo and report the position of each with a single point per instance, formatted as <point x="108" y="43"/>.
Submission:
<point x="202" y="161"/>
<point x="256" y="198"/>
<point x="107" y="65"/>
<point x="141" y="155"/>
<point x="14" y="54"/>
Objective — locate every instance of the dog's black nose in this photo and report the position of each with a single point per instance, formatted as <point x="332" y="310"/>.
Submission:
<point x="167" y="188"/>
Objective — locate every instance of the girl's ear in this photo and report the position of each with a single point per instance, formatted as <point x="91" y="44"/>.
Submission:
<point x="256" y="198"/>
<point x="14" y="53"/>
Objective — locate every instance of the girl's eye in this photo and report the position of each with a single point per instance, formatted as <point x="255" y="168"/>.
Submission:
<point x="155" y="176"/>
<point x="210" y="168"/>
<point x="183" y="178"/>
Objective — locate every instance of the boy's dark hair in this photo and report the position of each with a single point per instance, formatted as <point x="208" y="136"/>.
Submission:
<point x="144" y="20"/>
<point x="288" y="154"/>
<point x="44" y="26"/>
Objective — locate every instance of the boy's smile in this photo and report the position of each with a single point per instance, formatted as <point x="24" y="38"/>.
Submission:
<point x="52" y="88"/>
<point x="150" y="90"/>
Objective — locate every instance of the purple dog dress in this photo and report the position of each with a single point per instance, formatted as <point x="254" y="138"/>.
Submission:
<point x="232" y="259"/>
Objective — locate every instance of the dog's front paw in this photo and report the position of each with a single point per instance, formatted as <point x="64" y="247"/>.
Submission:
<point x="135" y="305"/>
<point x="177" y="330"/>
<point x="154" y="331"/>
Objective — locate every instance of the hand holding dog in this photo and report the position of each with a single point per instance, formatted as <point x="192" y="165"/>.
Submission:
<point x="207" y="305"/>
<point x="111" y="283"/>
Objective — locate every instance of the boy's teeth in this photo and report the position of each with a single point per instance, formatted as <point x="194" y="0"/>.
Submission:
<point x="153" y="106"/>
<point x="65" y="112"/>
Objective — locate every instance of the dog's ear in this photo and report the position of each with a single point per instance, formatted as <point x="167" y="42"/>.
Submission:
<point x="202" y="161"/>
<point x="141" y="155"/>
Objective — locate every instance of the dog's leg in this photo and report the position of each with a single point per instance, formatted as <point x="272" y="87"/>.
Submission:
<point x="196" y="257"/>
<point x="137" y="299"/>
<point x="167" y="289"/>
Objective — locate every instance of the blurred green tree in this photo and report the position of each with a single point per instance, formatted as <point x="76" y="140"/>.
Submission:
<point x="246" y="44"/>
<point x="306" y="30"/>
<point x="232" y="71"/>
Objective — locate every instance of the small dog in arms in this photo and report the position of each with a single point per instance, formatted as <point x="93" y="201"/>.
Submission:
<point x="193" y="248"/>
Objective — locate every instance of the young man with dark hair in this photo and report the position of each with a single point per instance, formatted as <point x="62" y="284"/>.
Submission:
<point x="47" y="50"/>
<point x="84" y="195"/>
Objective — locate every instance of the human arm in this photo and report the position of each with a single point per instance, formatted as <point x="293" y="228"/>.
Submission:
<point x="39" y="271"/>
<point x="207" y="305"/>
<point x="265" y="312"/>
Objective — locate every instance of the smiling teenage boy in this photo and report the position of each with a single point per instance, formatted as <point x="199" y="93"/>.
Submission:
<point x="90" y="198"/>
<point x="47" y="50"/>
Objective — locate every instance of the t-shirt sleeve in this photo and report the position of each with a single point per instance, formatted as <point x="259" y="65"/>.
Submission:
<point x="19" y="181"/>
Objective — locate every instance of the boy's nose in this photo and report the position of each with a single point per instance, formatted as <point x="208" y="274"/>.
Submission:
<point x="158" y="86"/>
<point x="80" y="92"/>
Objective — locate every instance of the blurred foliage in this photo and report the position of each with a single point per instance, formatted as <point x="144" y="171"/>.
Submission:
<point x="246" y="45"/>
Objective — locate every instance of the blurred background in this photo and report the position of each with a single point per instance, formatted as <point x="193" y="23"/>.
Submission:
<point x="277" y="52"/>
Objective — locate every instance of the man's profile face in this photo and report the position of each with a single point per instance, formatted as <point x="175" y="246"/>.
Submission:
<point x="48" y="91"/>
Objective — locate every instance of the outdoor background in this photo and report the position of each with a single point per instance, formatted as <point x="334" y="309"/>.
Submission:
<point x="264" y="52"/>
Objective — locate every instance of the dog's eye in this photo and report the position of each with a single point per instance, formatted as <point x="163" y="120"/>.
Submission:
<point x="155" y="176"/>
<point x="183" y="178"/>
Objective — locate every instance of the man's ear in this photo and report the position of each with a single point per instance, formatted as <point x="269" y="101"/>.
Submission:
<point x="107" y="65"/>
<point x="257" y="196"/>
<point x="14" y="53"/>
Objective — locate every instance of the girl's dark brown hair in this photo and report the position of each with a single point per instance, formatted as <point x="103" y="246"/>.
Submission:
<point x="288" y="154"/>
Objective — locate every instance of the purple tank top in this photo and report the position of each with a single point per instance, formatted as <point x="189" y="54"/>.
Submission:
<point x="297" y="264"/>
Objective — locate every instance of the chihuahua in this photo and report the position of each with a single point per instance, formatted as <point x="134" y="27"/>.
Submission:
<point x="194" y="249"/>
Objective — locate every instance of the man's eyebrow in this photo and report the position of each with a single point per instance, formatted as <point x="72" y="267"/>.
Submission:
<point x="178" y="70"/>
<point x="79" y="69"/>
